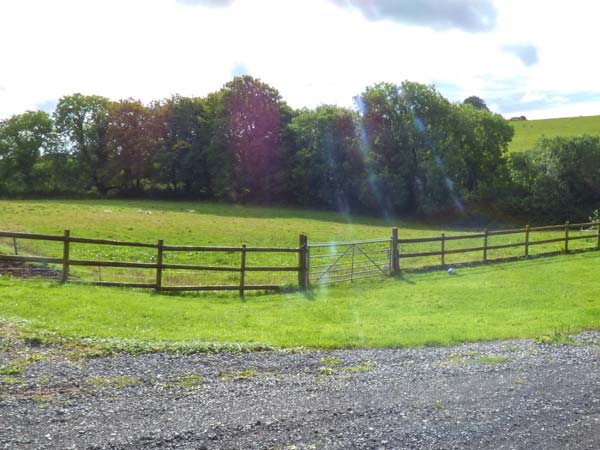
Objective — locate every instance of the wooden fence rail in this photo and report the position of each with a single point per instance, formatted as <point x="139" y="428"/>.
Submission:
<point x="526" y="243"/>
<point x="328" y="271"/>
<point x="159" y="266"/>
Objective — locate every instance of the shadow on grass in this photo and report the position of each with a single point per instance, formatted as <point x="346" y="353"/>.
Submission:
<point x="456" y="224"/>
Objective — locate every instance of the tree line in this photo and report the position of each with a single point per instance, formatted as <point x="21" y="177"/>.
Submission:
<point x="403" y="149"/>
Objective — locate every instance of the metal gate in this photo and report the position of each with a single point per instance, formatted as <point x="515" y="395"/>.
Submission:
<point x="336" y="262"/>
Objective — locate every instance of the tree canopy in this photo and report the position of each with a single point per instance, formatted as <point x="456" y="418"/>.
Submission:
<point x="476" y="102"/>
<point x="403" y="149"/>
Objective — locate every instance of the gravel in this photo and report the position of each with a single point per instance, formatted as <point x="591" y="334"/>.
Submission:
<point x="495" y="395"/>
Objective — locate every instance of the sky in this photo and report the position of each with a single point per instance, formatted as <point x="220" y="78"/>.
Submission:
<point x="536" y="58"/>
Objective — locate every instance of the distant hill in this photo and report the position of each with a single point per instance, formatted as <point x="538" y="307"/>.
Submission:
<point x="527" y="132"/>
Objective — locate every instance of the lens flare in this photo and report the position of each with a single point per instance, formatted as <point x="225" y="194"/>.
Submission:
<point x="421" y="128"/>
<point x="373" y="180"/>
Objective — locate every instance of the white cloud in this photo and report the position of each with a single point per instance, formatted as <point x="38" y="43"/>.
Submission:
<point x="312" y="51"/>
<point x="466" y="15"/>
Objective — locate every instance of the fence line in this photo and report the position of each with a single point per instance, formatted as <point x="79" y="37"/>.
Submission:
<point x="159" y="266"/>
<point x="397" y="255"/>
<point x="330" y="267"/>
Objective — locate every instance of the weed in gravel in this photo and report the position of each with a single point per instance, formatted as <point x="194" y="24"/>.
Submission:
<point x="438" y="405"/>
<point x="18" y="366"/>
<point x="491" y="360"/>
<point x="364" y="366"/>
<point x="327" y="371"/>
<point x="111" y="382"/>
<point x="42" y="397"/>
<point x="558" y="338"/>
<point x="511" y="348"/>
<point x="12" y="368"/>
<point x="331" y="361"/>
<point x="331" y="368"/>
<point x="453" y="360"/>
<point x="328" y="367"/>
<point x="190" y="381"/>
<point x="34" y="357"/>
<point x="10" y="380"/>
<point x="239" y="375"/>
<point x="79" y="352"/>
<point x="6" y="347"/>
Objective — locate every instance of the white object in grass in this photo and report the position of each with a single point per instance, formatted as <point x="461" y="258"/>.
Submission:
<point x="451" y="271"/>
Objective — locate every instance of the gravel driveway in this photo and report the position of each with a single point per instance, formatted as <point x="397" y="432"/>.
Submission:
<point x="498" y="395"/>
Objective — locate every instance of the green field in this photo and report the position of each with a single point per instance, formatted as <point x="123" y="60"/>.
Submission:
<point x="198" y="223"/>
<point x="528" y="132"/>
<point x="518" y="299"/>
<point x="181" y="223"/>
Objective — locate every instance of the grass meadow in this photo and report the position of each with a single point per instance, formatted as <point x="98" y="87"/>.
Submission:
<point x="526" y="298"/>
<point x="522" y="299"/>
<point x="211" y="224"/>
<point x="528" y="132"/>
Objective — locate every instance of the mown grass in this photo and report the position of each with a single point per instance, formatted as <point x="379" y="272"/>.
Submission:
<point x="521" y="299"/>
<point x="528" y="132"/>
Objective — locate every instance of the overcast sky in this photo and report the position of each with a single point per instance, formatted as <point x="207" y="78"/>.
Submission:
<point x="538" y="58"/>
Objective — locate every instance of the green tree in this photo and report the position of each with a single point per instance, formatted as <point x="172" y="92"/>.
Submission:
<point x="82" y="121"/>
<point x="387" y="131"/>
<point x="484" y="141"/>
<point x="183" y="153"/>
<point x="557" y="180"/>
<point x="328" y="166"/>
<point x="249" y="121"/>
<point x="476" y="102"/>
<point x="427" y="154"/>
<point x="23" y="138"/>
<point x="134" y="135"/>
<point x="436" y="152"/>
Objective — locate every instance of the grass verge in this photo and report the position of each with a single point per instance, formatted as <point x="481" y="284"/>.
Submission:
<point x="524" y="299"/>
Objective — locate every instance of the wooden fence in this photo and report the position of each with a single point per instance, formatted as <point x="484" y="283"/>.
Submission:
<point x="338" y="262"/>
<point x="374" y="262"/>
<point x="527" y="242"/>
<point x="66" y="262"/>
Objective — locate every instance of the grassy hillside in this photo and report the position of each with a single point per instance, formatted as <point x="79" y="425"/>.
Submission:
<point x="527" y="132"/>
<point x="521" y="299"/>
<point x="181" y="223"/>
<point x="199" y="223"/>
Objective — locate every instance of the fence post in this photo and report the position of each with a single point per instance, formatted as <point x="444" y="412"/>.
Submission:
<point x="15" y="245"/>
<point x="527" y="240"/>
<point x="598" y="234"/>
<point x="567" y="236"/>
<point x="243" y="270"/>
<point x="303" y="262"/>
<point x="159" y="262"/>
<point x="443" y="250"/>
<point x="352" y="267"/>
<point x="395" y="254"/>
<point x="65" y="268"/>
<point x="485" y="244"/>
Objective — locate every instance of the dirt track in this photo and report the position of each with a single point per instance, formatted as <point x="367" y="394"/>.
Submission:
<point x="503" y="395"/>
